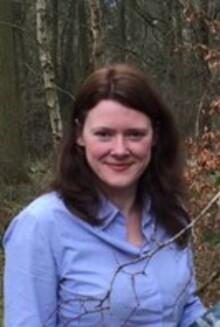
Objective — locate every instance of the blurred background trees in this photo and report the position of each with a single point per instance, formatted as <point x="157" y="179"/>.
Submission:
<point x="48" y="47"/>
<point x="11" y="164"/>
<point x="175" y="42"/>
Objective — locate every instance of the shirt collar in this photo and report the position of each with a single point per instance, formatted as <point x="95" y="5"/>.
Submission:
<point x="147" y="215"/>
<point x="108" y="212"/>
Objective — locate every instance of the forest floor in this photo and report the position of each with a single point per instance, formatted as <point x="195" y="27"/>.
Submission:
<point x="203" y="183"/>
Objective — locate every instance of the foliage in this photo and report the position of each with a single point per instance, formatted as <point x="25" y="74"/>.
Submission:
<point x="202" y="176"/>
<point x="212" y="237"/>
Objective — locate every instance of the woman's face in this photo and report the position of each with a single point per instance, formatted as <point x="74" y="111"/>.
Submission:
<point x="118" y="142"/>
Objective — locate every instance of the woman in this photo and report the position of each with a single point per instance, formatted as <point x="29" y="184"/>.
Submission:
<point x="91" y="252"/>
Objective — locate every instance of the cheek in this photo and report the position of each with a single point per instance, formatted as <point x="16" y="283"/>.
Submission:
<point x="95" y="150"/>
<point x="144" y="150"/>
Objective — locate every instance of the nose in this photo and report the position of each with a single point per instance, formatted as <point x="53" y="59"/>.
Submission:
<point x="120" y="148"/>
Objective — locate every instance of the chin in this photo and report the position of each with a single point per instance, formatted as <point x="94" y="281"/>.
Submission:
<point x="118" y="186"/>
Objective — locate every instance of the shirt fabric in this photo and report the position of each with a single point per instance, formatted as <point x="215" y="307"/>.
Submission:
<point x="62" y="272"/>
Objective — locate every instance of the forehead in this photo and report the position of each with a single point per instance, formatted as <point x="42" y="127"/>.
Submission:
<point x="112" y="113"/>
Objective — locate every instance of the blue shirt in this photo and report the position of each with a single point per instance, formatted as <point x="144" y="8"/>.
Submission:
<point x="62" y="272"/>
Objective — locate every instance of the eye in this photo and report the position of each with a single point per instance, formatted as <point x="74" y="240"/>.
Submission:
<point x="103" y="134"/>
<point x="136" y="134"/>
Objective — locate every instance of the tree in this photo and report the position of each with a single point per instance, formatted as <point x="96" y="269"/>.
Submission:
<point x="48" y="71"/>
<point x="95" y="26"/>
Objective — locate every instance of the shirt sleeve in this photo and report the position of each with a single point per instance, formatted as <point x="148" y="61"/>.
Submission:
<point x="193" y="308"/>
<point x="30" y="274"/>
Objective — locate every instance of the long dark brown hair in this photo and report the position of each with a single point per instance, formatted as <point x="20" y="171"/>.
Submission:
<point x="162" y="179"/>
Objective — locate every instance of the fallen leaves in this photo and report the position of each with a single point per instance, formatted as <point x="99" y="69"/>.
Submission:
<point x="202" y="178"/>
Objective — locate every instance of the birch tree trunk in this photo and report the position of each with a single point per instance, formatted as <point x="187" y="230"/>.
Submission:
<point x="48" y="71"/>
<point x="97" y="40"/>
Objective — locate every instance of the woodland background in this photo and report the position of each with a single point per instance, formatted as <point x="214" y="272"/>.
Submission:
<point x="48" y="47"/>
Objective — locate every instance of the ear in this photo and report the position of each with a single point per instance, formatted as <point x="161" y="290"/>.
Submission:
<point x="80" y="140"/>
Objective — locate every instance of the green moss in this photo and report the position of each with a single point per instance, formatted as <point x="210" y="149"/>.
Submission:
<point x="212" y="238"/>
<point x="215" y="178"/>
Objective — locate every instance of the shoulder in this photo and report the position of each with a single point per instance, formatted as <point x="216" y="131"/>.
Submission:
<point x="44" y="205"/>
<point x="32" y="241"/>
<point x="43" y="208"/>
<point x="38" y="217"/>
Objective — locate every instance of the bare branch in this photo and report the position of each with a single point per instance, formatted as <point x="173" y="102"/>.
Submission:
<point x="131" y="51"/>
<point x="214" y="276"/>
<point x="161" y="246"/>
<point x="58" y="87"/>
<point x="12" y="25"/>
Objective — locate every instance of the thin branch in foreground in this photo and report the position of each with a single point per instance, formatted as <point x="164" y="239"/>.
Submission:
<point x="103" y="304"/>
<point x="214" y="276"/>
<point x="161" y="246"/>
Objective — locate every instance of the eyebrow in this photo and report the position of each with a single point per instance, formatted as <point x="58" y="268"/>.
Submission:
<point x="137" y="129"/>
<point x="132" y="129"/>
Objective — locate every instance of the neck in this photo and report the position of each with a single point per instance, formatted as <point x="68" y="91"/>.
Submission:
<point x="124" y="200"/>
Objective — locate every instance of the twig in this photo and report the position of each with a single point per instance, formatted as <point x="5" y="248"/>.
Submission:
<point x="214" y="276"/>
<point x="161" y="246"/>
<point x="59" y="88"/>
<point x="12" y="25"/>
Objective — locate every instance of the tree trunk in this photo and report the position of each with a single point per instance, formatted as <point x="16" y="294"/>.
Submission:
<point x="203" y="117"/>
<point x="48" y="71"/>
<point x="97" y="42"/>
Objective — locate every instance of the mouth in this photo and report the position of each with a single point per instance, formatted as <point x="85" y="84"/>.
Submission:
<point x="119" y="166"/>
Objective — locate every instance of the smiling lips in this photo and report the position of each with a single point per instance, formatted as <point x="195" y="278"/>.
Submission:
<point x="119" y="166"/>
